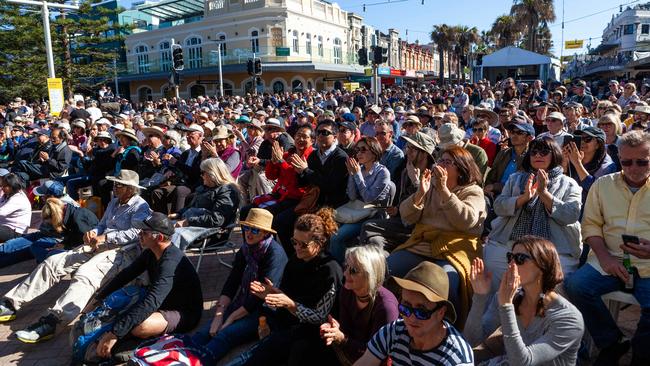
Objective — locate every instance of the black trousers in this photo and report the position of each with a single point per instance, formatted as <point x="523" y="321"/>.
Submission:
<point x="7" y="233"/>
<point x="28" y="170"/>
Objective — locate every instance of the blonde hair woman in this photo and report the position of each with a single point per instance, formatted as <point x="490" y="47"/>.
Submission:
<point x="66" y="226"/>
<point x="214" y="205"/>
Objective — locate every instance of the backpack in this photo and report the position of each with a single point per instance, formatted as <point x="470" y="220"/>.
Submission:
<point x="91" y="326"/>
<point x="170" y="350"/>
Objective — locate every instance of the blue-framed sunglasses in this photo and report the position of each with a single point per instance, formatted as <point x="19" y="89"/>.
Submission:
<point x="420" y="313"/>
<point x="253" y="230"/>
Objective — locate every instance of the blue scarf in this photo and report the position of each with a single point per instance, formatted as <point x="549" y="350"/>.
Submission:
<point x="253" y="254"/>
<point x="118" y="165"/>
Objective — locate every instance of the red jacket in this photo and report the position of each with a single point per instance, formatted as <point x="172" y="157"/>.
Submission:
<point x="287" y="185"/>
<point x="490" y="149"/>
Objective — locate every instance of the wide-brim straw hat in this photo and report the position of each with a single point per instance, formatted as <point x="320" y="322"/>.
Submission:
<point x="259" y="218"/>
<point x="154" y="130"/>
<point x="492" y="117"/>
<point x="127" y="132"/>
<point x="221" y="133"/>
<point x="126" y="177"/>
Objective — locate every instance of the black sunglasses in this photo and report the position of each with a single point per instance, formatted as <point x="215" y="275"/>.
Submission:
<point x="324" y="132"/>
<point x="519" y="258"/>
<point x="420" y="313"/>
<point x="638" y="162"/>
<point x="540" y="152"/>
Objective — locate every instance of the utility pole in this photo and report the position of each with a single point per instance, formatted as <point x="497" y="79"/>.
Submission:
<point x="117" y="88"/>
<point x="175" y="74"/>
<point x="220" y="73"/>
<point x="46" y="27"/>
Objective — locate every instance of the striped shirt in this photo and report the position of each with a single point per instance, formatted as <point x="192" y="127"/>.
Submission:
<point x="393" y="341"/>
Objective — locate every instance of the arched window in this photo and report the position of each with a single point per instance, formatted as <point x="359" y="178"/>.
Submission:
<point x="143" y="59"/>
<point x="255" y="41"/>
<point x="165" y="56"/>
<point x="248" y="87"/>
<point x="296" y="86"/>
<point x="320" y="46"/>
<point x="296" y="42"/>
<point x="338" y="51"/>
<point x="197" y="90"/>
<point x="194" y="53"/>
<point x="221" y="39"/>
<point x="278" y="87"/>
<point x="227" y="88"/>
<point x="144" y="94"/>
<point x="310" y="86"/>
<point x="308" y="43"/>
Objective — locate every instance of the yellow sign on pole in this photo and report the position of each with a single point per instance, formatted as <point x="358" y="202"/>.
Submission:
<point x="55" y="93"/>
<point x="577" y="43"/>
<point x="351" y="86"/>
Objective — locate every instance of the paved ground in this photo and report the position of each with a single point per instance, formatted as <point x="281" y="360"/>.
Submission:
<point x="57" y="351"/>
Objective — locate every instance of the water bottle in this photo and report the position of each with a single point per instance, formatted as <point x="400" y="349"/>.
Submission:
<point x="263" y="329"/>
<point x="627" y="263"/>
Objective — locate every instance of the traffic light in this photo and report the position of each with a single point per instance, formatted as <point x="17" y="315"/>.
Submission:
<point x="363" y="56"/>
<point x="177" y="57"/>
<point x="376" y="55"/>
<point x="258" y="66"/>
<point x="249" y="67"/>
<point x="384" y="55"/>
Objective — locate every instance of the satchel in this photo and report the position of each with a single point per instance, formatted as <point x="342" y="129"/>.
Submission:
<point x="308" y="202"/>
<point x="353" y="212"/>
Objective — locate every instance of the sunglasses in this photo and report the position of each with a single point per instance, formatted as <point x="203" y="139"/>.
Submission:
<point x="351" y="270"/>
<point x="638" y="162"/>
<point x="420" y="313"/>
<point x="324" y="133"/>
<point x="519" y="258"/>
<point x="540" y="152"/>
<point x="301" y="244"/>
<point x="253" y="230"/>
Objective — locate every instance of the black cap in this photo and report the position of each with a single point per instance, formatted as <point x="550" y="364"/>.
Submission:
<point x="591" y="131"/>
<point x="160" y="223"/>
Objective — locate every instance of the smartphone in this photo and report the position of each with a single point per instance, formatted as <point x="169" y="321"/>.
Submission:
<point x="577" y="140"/>
<point x="630" y="239"/>
<point x="567" y="140"/>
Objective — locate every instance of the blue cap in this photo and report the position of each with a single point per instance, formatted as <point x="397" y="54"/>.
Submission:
<point x="50" y="188"/>
<point x="243" y="119"/>
<point x="526" y="127"/>
<point x="349" y="117"/>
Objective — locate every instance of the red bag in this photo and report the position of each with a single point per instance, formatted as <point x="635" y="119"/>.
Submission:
<point x="170" y="350"/>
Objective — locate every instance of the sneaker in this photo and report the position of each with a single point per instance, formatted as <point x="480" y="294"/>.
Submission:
<point x="40" y="331"/>
<point x="610" y="355"/>
<point x="7" y="311"/>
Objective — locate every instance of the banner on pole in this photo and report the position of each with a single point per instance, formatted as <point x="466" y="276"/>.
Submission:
<point x="55" y="93"/>
<point x="577" y="43"/>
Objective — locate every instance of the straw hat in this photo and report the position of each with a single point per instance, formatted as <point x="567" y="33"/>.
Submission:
<point x="126" y="177"/>
<point x="259" y="218"/>
<point x="221" y="133"/>
<point x="129" y="133"/>
<point x="154" y="130"/>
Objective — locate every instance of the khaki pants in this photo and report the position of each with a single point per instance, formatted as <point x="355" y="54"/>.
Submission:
<point x="89" y="273"/>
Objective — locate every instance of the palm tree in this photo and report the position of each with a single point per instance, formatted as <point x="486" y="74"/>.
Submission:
<point x="531" y="14"/>
<point x="506" y="31"/>
<point x="440" y="36"/>
<point x="466" y="37"/>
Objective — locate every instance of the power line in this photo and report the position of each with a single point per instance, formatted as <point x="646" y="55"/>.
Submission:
<point x="596" y="13"/>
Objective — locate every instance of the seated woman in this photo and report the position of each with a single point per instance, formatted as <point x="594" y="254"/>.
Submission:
<point x="64" y="229"/>
<point x="369" y="181"/>
<point x="364" y="307"/>
<point x="15" y="208"/>
<point x="222" y="146"/>
<point x="236" y="315"/>
<point x="479" y="137"/>
<point x="97" y="163"/>
<point x="538" y="325"/>
<point x="448" y="218"/>
<point x="296" y="309"/>
<point x="213" y="205"/>
<point x="541" y="201"/>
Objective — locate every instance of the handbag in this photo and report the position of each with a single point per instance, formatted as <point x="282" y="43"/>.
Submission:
<point x="308" y="202"/>
<point x="353" y="212"/>
<point x="170" y="350"/>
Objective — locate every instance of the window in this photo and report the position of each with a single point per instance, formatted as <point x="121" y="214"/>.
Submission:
<point x="194" y="53"/>
<point x="255" y="41"/>
<point x="144" y="94"/>
<point x="645" y="28"/>
<point x="628" y="29"/>
<point x="165" y="56"/>
<point x="143" y="59"/>
<point x="338" y="51"/>
<point x="221" y="39"/>
<point x="308" y="43"/>
<point x="320" y="46"/>
<point x="197" y="91"/>
<point x="227" y="88"/>
<point x="296" y="42"/>
<point x="296" y="86"/>
<point x="278" y="87"/>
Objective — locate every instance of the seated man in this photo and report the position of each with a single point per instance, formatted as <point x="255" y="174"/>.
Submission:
<point x="173" y="302"/>
<point x="108" y="248"/>
<point x="50" y="160"/>
<point x="617" y="204"/>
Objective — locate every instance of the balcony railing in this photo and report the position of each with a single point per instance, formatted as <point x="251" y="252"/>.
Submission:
<point x="209" y="58"/>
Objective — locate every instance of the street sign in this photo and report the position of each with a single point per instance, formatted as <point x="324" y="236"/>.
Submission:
<point x="383" y="70"/>
<point x="360" y="79"/>
<point x="282" y="51"/>
<point x="55" y="93"/>
<point x="577" y="43"/>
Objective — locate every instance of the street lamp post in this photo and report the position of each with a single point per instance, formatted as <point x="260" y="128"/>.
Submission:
<point x="46" y="27"/>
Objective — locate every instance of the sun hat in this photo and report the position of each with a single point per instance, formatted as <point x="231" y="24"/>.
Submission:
<point x="430" y="280"/>
<point x="556" y="115"/>
<point x="492" y="117"/>
<point x="174" y="136"/>
<point x="104" y="135"/>
<point x="50" y="188"/>
<point x="160" y="223"/>
<point x="255" y="123"/>
<point x="117" y="127"/>
<point x="412" y="120"/>
<point x="273" y="123"/>
<point x="103" y="121"/>
<point x="126" y="177"/>
<point x="79" y="123"/>
<point x="221" y="133"/>
<point x="450" y="134"/>
<point x="259" y="218"/>
<point x="422" y="141"/>
<point x="642" y="109"/>
<point x="154" y="130"/>
<point x="127" y="132"/>
<point x="374" y="109"/>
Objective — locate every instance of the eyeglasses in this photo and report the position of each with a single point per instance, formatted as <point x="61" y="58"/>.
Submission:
<point x="324" y="133"/>
<point x="351" y="270"/>
<point x="519" y="258"/>
<point x="420" y="313"/>
<point x="253" y="230"/>
<point x="301" y="244"/>
<point x="540" y="152"/>
<point x="638" y="162"/>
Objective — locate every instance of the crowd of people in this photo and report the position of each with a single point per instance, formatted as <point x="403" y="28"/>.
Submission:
<point x="430" y="225"/>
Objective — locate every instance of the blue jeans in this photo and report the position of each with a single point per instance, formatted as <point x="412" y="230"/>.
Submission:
<point x="339" y="241"/>
<point x="402" y="261"/>
<point x="585" y="287"/>
<point x="241" y="331"/>
<point x="34" y="245"/>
